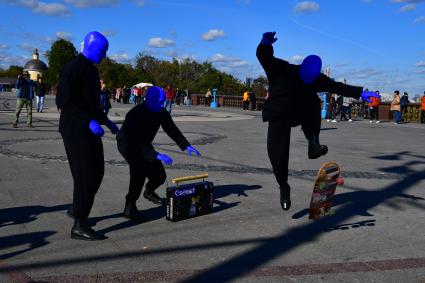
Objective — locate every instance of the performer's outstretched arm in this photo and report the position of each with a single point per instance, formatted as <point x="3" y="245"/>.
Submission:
<point x="325" y="84"/>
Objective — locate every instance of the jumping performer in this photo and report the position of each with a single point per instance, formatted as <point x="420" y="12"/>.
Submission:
<point x="292" y="86"/>
<point x="135" y="144"/>
<point x="80" y="119"/>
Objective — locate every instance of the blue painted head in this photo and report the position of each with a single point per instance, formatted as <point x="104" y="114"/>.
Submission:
<point x="310" y="68"/>
<point x="155" y="98"/>
<point x="95" y="46"/>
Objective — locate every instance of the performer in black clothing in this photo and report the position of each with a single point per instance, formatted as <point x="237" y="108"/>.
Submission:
<point x="78" y="99"/>
<point x="294" y="101"/>
<point x="134" y="142"/>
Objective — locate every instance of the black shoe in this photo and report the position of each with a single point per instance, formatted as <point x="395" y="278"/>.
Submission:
<point x="315" y="150"/>
<point x="82" y="231"/>
<point x="153" y="197"/>
<point x="131" y="212"/>
<point x="285" y="197"/>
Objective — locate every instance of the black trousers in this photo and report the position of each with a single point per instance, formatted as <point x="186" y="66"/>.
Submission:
<point x="85" y="158"/>
<point x="279" y="138"/>
<point x="141" y="169"/>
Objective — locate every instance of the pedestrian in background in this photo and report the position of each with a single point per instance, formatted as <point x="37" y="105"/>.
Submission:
<point x="25" y="96"/>
<point x="178" y="96"/>
<point x="395" y="107"/>
<point x="105" y="104"/>
<point x="423" y="108"/>
<point x="245" y="101"/>
<point x="40" y="93"/>
<point x="332" y="108"/>
<point x="373" y="109"/>
<point x="169" y="95"/>
<point x="253" y="100"/>
<point x="118" y="94"/>
<point x="346" y="108"/>
<point x="404" y="102"/>
<point x="208" y="97"/>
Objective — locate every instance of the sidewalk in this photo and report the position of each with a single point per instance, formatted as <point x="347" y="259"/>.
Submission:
<point x="376" y="235"/>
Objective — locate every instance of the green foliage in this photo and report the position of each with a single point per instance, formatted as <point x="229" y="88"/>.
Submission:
<point x="60" y="53"/>
<point x="12" y="72"/>
<point x="197" y="77"/>
<point x="260" y="86"/>
<point x="115" y="74"/>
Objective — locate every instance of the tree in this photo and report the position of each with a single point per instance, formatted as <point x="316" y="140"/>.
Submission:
<point x="12" y="72"/>
<point x="115" y="74"/>
<point x="60" y="53"/>
<point x="260" y="86"/>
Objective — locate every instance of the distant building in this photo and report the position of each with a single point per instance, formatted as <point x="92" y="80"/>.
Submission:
<point x="35" y="67"/>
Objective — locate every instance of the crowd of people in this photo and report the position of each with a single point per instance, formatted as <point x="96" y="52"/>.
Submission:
<point x="343" y="106"/>
<point x="137" y="94"/>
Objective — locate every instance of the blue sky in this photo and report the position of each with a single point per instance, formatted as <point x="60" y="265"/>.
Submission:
<point x="379" y="44"/>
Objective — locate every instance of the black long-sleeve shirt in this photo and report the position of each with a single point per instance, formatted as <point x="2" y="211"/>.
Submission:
<point x="140" y="128"/>
<point x="288" y="93"/>
<point x="78" y="92"/>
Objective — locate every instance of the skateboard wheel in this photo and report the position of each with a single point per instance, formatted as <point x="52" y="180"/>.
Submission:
<point x="340" y="181"/>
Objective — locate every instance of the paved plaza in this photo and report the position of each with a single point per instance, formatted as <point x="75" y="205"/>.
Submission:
<point x="376" y="235"/>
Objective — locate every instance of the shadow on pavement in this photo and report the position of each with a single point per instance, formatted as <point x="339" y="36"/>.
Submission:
<point x="26" y="214"/>
<point x="266" y="249"/>
<point x="34" y="240"/>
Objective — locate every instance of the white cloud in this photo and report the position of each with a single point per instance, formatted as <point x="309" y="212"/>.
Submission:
<point x="212" y="34"/>
<point x="3" y="46"/>
<point x="158" y="42"/>
<point x="408" y="8"/>
<point x="186" y="57"/>
<point x="64" y="35"/>
<point x="109" y="32"/>
<point x="8" y="60"/>
<point x="296" y="59"/>
<point x="228" y="62"/>
<point x="49" y="9"/>
<point x="420" y="20"/>
<point x="307" y="6"/>
<point x="420" y="64"/>
<point x="220" y="58"/>
<point x="92" y="3"/>
<point x="121" y="58"/>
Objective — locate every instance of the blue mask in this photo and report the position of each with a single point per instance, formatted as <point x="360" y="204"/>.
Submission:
<point x="155" y="98"/>
<point x="310" y="68"/>
<point x="95" y="46"/>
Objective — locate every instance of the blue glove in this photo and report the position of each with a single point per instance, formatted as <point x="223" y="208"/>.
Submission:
<point x="268" y="38"/>
<point x="112" y="126"/>
<point x="367" y="94"/>
<point x="96" y="129"/>
<point x="164" y="158"/>
<point x="191" y="149"/>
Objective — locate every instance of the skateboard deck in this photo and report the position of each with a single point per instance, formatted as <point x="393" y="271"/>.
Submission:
<point x="189" y="200"/>
<point x="327" y="179"/>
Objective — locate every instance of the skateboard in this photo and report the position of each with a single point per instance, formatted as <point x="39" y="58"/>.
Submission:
<point x="189" y="200"/>
<point x="327" y="179"/>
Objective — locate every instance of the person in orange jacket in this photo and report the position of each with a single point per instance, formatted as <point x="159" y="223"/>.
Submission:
<point x="423" y="108"/>
<point x="373" y="108"/>
<point x="245" y="101"/>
